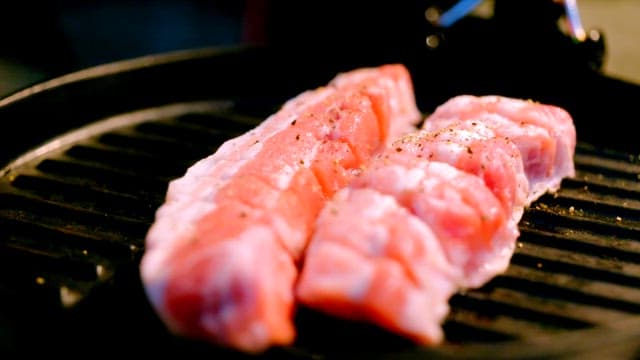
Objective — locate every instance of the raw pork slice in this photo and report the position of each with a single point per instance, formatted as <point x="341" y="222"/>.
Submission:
<point x="393" y="246"/>
<point x="394" y="80"/>
<point x="475" y="148"/>
<point x="469" y="221"/>
<point x="371" y="259"/>
<point x="221" y="256"/>
<point x="452" y="194"/>
<point x="545" y="134"/>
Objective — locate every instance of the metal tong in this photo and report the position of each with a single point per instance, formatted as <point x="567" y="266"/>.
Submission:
<point x="463" y="7"/>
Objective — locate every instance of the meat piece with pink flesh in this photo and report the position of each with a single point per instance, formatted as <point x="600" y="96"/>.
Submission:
<point x="220" y="258"/>
<point x="545" y="134"/>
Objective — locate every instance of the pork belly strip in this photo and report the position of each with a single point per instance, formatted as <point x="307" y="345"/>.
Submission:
<point x="394" y="80"/>
<point x="545" y="134"/>
<point x="220" y="261"/>
<point x="514" y="156"/>
<point x="474" y="148"/>
<point x="372" y="260"/>
<point x="410" y="232"/>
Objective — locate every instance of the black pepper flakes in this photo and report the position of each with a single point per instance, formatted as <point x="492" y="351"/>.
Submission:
<point x="398" y="149"/>
<point x="298" y="137"/>
<point x="293" y="123"/>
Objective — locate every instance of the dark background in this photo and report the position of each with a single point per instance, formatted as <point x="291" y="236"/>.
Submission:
<point x="44" y="39"/>
<point x="519" y="51"/>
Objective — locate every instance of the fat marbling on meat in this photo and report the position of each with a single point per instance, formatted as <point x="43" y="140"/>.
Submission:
<point x="221" y="258"/>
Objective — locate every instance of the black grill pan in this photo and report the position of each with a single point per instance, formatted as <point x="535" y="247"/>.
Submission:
<point x="74" y="213"/>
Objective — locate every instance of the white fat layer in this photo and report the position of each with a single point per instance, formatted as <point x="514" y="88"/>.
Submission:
<point x="444" y="170"/>
<point x="255" y="336"/>
<point x="466" y="136"/>
<point x="562" y="131"/>
<point x="377" y="239"/>
<point x="405" y="113"/>
<point x="203" y="179"/>
<point x="176" y="221"/>
<point x="496" y="260"/>
<point x="219" y="167"/>
<point x="421" y="314"/>
<point x="449" y="152"/>
<point x="290" y="234"/>
<point x="383" y="205"/>
<point x="373" y="208"/>
<point x="359" y="284"/>
<point x="192" y="196"/>
<point x="283" y="177"/>
<point x="353" y="284"/>
<point x="436" y="260"/>
<point x="155" y="266"/>
<point x="153" y="275"/>
<point x="411" y="179"/>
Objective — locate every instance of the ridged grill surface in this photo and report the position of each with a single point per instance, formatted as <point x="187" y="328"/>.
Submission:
<point x="71" y="216"/>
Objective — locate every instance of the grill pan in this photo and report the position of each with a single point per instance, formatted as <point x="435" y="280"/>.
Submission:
<point x="74" y="212"/>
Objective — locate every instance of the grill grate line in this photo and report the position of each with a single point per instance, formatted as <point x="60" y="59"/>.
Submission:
<point x="597" y="203"/>
<point x="118" y="179"/>
<point x="22" y="200"/>
<point x="583" y="242"/>
<point x="552" y="302"/>
<point x="227" y="122"/>
<point x="185" y="133"/>
<point x="13" y="258"/>
<point x="567" y="291"/>
<point x="152" y="166"/>
<point x="587" y="267"/>
<point x="150" y="146"/>
<point x="598" y="183"/>
<point x="68" y="181"/>
<point x="621" y="296"/>
<point x="173" y="156"/>
<point x="608" y="167"/>
<point x="85" y="197"/>
<point x="39" y="235"/>
<point x="489" y="308"/>
<point x="593" y="150"/>
<point x="463" y="326"/>
<point x="493" y="328"/>
<point x="71" y="218"/>
<point x="554" y="218"/>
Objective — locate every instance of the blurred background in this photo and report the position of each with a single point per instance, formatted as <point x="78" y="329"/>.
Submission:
<point x="518" y="51"/>
<point x="47" y="39"/>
